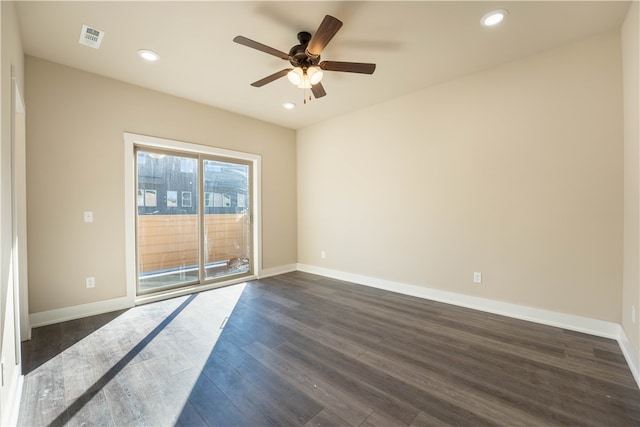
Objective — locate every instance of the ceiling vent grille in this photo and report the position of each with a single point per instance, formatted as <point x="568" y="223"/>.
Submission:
<point x="91" y="37"/>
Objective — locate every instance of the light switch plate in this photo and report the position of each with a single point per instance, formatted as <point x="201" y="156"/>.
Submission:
<point x="88" y="216"/>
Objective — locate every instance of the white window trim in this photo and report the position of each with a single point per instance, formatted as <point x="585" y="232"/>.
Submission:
<point x="132" y="140"/>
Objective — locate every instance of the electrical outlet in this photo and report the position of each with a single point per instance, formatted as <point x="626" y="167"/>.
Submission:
<point x="88" y="216"/>
<point x="477" y="277"/>
<point x="323" y="254"/>
<point x="91" y="282"/>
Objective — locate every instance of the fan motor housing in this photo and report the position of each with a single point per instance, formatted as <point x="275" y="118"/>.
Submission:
<point x="299" y="52"/>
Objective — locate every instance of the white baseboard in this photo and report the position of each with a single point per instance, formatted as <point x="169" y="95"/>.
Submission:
<point x="546" y="317"/>
<point x="44" y="318"/>
<point x="274" y="271"/>
<point x="571" y="322"/>
<point x="633" y="358"/>
<point x="78" y="311"/>
<point x="50" y="317"/>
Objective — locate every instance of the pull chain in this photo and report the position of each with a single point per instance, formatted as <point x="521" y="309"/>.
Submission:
<point x="304" y="98"/>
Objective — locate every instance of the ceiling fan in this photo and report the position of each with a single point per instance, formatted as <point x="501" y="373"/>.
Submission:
<point x="305" y="58"/>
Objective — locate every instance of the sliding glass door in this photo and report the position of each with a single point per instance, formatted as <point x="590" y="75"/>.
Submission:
<point x="193" y="222"/>
<point x="227" y="225"/>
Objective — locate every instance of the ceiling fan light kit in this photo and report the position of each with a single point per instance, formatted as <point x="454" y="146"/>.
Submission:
<point x="307" y="71"/>
<point x="304" y="78"/>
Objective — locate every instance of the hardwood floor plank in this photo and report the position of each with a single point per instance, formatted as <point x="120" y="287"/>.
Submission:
<point x="382" y="378"/>
<point x="127" y="399"/>
<point x="356" y="386"/>
<point x="190" y="417"/>
<point x="326" y="419"/>
<point x="300" y="406"/>
<point x="342" y="404"/>
<point x="439" y="389"/>
<point x="95" y="413"/>
<point x="213" y="406"/>
<point x="508" y="381"/>
<point x="47" y="394"/>
<point x="426" y="420"/>
<point x="378" y="419"/>
<point x="314" y="330"/>
<point x="257" y="407"/>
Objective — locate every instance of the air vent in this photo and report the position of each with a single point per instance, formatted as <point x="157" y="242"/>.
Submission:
<point x="91" y="37"/>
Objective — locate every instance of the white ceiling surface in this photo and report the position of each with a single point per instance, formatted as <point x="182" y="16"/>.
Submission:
<point x="414" y="44"/>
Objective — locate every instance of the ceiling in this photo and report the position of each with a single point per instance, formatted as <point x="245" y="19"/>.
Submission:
<point x="414" y="44"/>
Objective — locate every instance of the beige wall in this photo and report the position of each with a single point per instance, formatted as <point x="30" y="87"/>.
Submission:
<point x="12" y="57"/>
<point x="75" y="155"/>
<point x="515" y="172"/>
<point x="631" y="274"/>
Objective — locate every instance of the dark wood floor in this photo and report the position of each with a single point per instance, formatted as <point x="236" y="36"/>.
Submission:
<point x="299" y="349"/>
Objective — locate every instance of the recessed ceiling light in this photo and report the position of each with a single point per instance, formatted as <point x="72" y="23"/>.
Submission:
<point x="148" y="55"/>
<point x="289" y="105"/>
<point x="494" y="17"/>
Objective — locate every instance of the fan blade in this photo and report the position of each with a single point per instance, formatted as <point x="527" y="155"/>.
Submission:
<point x="318" y="90"/>
<point x="261" y="47"/>
<point x="323" y="35"/>
<point x="272" y="77"/>
<point x="348" y="67"/>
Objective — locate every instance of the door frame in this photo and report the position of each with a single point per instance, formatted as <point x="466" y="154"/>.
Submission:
<point x="19" y="217"/>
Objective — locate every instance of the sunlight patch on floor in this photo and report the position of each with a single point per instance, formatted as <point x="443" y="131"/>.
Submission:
<point x="140" y="366"/>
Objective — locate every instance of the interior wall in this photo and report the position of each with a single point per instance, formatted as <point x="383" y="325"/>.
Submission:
<point x="11" y="66"/>
<point x="631" y="274"/>
<point x="75" y="158"/>
<point x="515" y="172"/>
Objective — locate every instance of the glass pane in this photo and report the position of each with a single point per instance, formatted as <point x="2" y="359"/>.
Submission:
<point x="167" y="231"/>
<point x="227" y="230"/>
